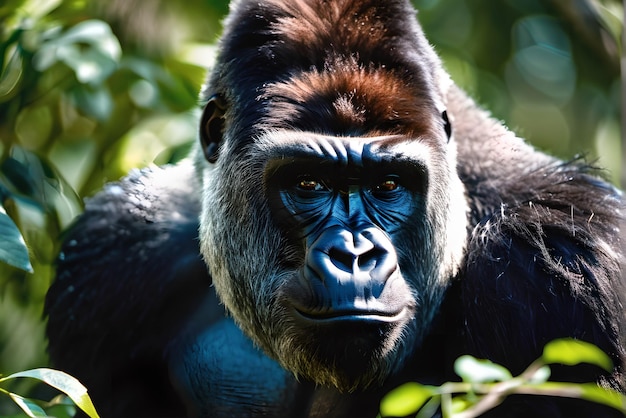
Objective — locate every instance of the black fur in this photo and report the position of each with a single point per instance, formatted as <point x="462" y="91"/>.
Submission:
<point x="133" y="312"/>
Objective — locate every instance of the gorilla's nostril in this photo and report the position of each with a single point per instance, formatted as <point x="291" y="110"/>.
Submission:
<point x="369" y="260"/>
<point x="342" y="259"/>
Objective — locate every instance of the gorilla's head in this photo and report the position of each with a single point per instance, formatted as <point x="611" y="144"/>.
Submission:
<point x="333" y="218"/>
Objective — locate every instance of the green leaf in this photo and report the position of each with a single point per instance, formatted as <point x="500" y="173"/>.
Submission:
<point x="13" y="250"/>
<point x="406" y="399"/>
<point x="587" y="391"/>
<point x="597" y="394"/>
<point x="19" y="174"/>
<point x="10" y="77"/>
<point x="92" y="64"/>
<point x="63" y="382"/>
<point x="36" y="9"/>
<point x="98" y="34"/>
<point x="93" y="102"/>
<point x="33" y="125"/>
<point x="571" y="352"/>
<point x="460" y="404"/>
<point x="29" y="407"/>
<point x="480" y="371"/>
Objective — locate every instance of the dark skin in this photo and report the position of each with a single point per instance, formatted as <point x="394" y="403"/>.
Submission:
<point x="346" y="209"/>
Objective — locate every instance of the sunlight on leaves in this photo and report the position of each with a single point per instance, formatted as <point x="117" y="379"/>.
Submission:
<point x="572" y="352"/>
<point x="63" y="382"/>
<point x="29" y="407"/>
<point x="405" y="399"/>
<point x="91" y="65"/>
<point x="474" y="370"/>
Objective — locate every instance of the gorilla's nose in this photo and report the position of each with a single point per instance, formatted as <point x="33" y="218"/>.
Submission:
<point x="363" y="254"/>
<point x="362" y="260"/>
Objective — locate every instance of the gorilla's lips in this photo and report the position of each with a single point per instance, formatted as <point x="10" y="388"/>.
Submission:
<point x="352" y="314"/>
<point x="313" y="303"/>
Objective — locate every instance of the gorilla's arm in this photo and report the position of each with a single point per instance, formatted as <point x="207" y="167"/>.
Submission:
<point x="129" y="275"/>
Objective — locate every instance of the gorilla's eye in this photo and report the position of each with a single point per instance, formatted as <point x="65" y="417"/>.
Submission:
<point x="310" y="184"/>
<point x="389" y="184"/>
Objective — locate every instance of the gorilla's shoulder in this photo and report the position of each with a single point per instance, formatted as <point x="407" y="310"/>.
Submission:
<point x="150" y="195"/>
<point x="545" y="253"/>
<point x="154" y="205"/>
<point x="503" y="174"/>
<point x="139" y="234"/>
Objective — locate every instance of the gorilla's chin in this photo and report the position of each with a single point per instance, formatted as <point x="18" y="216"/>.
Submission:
<point x="349" y="353"/>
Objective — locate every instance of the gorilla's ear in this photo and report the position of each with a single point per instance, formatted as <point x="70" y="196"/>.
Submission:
<point x="447" y="126"/>
<point x="211" y="127"/>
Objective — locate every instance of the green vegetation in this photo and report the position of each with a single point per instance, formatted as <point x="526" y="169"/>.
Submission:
<point x="485" y="385"/>
<point x="58" y="380"/>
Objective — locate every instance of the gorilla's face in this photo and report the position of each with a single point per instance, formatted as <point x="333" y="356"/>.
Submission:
<point x="333" y="253"/>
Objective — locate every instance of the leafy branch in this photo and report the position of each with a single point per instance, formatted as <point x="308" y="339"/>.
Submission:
<point x="57" y="379"/>
<point x="486" y="385"/>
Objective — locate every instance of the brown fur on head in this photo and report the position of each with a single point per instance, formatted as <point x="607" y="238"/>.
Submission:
<point x="348" y="99"/>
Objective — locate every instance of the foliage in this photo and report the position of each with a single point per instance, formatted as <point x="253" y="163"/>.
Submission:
<point x="57" y="379"/>
<point x="13" y="249"/>
<point x="486" y="384"/>
<point x="74" y="105"/>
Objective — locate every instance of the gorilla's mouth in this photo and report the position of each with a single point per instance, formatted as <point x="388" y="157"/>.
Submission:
<point x="351" y="314"/>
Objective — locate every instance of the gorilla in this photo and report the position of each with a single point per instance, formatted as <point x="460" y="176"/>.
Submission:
<point x="349" y="220"/>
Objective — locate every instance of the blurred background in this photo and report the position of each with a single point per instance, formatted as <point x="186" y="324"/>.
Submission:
<point x="92" y="89"/>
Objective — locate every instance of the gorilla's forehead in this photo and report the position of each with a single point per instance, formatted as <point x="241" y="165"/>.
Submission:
<point x="349" y="98"/>
<point x="343" y="150"/>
